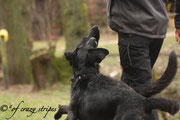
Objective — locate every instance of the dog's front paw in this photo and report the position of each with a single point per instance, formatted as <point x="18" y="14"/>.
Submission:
<point x="62" y="110"/>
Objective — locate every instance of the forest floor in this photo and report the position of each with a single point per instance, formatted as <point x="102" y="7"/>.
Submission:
<point x="38" y="105"/>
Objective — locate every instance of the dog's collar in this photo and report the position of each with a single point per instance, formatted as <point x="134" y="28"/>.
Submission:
<point x="81" y="77"/>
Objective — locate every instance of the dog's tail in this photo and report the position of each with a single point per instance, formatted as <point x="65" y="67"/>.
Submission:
<point x="165" y="79"/>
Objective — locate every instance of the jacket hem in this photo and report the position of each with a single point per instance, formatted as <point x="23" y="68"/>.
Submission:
<point x="144" y="35"/>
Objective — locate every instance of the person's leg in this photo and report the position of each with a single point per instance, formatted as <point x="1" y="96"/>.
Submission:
<point x="155" y="48"/>
<point x="135" y="61"/>
<point x="137" y="55"/>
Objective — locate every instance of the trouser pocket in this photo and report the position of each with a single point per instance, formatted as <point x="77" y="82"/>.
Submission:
<point x="124" y="51"/>
<point x="135" y="60"/>
<point x="125" y="55"/>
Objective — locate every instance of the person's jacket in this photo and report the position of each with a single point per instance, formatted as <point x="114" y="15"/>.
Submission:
<point x="147" y="18"/>
<point x="177" y="17"/>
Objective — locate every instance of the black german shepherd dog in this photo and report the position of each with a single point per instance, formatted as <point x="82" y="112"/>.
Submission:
<point x="98" y="97"/>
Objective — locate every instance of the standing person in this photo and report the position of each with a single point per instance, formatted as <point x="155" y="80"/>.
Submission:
<point x="141" y="27"/>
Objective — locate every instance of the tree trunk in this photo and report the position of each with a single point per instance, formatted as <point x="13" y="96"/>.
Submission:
<point x="18" y="51"/>
<point x="44" y="73"/>
<point x="49" y="69"/>
<point x="74" y="15"/>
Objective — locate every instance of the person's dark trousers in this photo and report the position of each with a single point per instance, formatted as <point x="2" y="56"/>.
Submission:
<point x="138" y="55"/>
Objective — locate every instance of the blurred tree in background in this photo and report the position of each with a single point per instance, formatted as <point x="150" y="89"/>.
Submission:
<point x="47" y="68"/>
<point x="47" y="16"/>
<point x="17" y="47"/>
<point x="97" y="12"/>
<point x="74" y="15"/>
<point x="31" y="20"/>
<point x="46" y="21"/>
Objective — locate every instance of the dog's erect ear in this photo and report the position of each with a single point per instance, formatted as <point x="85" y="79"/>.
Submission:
<point x="170" y="106"/>
<point x="93" y="42"/>
<point x="68" y="55"/>
<point x="94" y="33"/>
<point x="97" y="55"/>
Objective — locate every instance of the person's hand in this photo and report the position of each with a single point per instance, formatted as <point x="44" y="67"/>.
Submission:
<point x="178" y="35"/>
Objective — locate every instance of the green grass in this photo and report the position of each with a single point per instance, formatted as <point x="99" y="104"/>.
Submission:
<point x="36" y="100"/>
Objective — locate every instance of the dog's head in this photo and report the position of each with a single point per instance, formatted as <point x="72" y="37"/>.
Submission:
<point x="86" y="55"/>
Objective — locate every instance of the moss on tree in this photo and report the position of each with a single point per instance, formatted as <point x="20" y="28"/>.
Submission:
<point x="49" y="69"/>
<point x="62" y="67"/>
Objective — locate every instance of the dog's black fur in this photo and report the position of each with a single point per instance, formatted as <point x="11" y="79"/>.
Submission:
<point x="97" y="97"/>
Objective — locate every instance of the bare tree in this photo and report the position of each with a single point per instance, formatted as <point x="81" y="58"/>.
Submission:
<point x="46" y="15"/>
